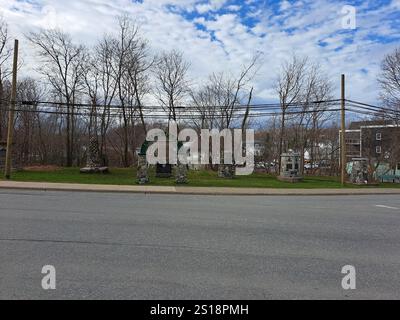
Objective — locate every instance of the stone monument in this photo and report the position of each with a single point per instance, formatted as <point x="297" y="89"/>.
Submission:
<point x="93" y="164"/>
<point x="359" y="174"/>
<point x="142" y="168"/>
<point x="164" y="171"/>
<point x="226" y="171"/>
<point x="181" y="174"/>
<point x="290" y="168"/>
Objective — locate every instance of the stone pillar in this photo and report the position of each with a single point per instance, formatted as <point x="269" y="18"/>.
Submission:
<point x="142" y="170"/>
<point x="181" y="174"/>
<point x="226" y="171"/>
<point x="359" y="172"/>
<point x="93" y="159"/>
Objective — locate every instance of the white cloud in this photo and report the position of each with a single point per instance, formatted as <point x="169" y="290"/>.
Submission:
<point x="234" y="7"/>
<point x="227" y="43"/>
<point x="285" y="5"/>
<point x="211" y="5"/>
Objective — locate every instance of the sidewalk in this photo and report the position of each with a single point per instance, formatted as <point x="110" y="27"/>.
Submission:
<point x="192" y="190"/>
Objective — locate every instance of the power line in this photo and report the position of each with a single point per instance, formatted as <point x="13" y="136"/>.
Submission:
<point x="371" y="107"/>
<point x="364" y="104"/>
<point x="187" y="113"/>
<point x="393" y="114"/>
<point x="373" y="110"/>
<point x="184" y="117"/>
<point x="53" y="104"/>
<point x="369" y="113"/>
<point x="195" y="112"/>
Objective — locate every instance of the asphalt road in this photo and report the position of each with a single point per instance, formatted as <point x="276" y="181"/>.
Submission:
<point x="121" y="246"/>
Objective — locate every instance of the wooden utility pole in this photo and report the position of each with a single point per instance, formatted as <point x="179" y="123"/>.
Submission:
<point x="11" y="114"/>
<point x="343" y="133"/>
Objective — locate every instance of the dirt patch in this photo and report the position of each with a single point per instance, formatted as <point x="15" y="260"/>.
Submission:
<point x="42" y="168"/>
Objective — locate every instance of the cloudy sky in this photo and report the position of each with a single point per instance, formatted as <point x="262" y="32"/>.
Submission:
<point x="220" y="35"/>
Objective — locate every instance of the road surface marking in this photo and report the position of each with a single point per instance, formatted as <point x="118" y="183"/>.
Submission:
<point x="386" y="207"/>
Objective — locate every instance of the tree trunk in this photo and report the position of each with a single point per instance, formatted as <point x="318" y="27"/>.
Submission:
<point x="68" y="133"/>
<point x="281" y="137"/>
<point x="1" y="108"/>
<point x="126" y="145"/>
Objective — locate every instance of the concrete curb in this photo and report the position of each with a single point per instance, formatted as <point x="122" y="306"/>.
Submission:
<point x="11" y="185"/>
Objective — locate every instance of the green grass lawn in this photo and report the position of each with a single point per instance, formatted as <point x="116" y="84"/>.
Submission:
<point x="196" y="179"/>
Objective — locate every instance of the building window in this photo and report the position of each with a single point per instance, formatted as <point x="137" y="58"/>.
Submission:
<point x="379" y="137"/>
<point x="378" y="149"/>
<point x="398" y="166"/>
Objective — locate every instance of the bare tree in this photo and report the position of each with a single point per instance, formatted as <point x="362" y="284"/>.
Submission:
<point x="5" y="53"/>
<point x="312" y="112"/>
<point x="319" y="114"/>
<point x="271" y="130"/>
<point x="139" y="65"/>
<point x="289" y="88"/>
<point x="103" y="64"/>
<point x="206" y="101"/>
<point x="212" y="101"/>
<point x="129" y="68"/>
<point x="101" y="87"/>
<point x="5" y="50"/>
<point x="237" y="95"/>
<point x="173" y="87"/>
<point x="218" y="101"/>
<point x="62" y="66"/>
<point x="390" y="80"/>
<point x="28" y="121"/>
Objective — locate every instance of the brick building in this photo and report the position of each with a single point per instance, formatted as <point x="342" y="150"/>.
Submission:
<point x="378" y="141"/>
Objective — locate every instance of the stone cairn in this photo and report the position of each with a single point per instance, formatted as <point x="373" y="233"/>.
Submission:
<point x="93" y="160"/>
<point x="226" y="171"/>
<point x="360" y="174"/>
<point x="93" y="164"/>
<point x="181" y="174"/>
<point x="142" y="175"/>
<point x="142" y="170"/>
<point x="181" y="170"/>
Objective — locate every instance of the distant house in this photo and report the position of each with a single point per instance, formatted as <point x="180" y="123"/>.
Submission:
<point x="378" y="141"/>
<point x="259" y="148"/>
